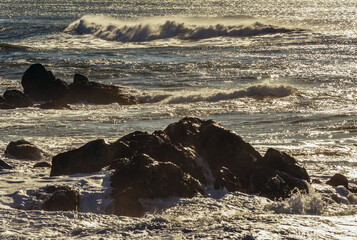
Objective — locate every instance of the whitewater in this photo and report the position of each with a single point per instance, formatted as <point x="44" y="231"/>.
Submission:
<point x="280" y="74"/>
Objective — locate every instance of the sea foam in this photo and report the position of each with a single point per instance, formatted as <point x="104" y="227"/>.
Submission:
<point x="160" y="28"/>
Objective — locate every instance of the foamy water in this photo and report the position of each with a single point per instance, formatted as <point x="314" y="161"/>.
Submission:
<point x="280" y="75"/>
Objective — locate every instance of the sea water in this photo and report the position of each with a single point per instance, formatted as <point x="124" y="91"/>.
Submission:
<point x="281" y="74"/>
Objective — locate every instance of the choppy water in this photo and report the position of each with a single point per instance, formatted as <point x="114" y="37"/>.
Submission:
<point x="281" y="74"/>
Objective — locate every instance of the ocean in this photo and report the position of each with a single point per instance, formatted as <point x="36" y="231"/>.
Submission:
<point x="281" y="74"/>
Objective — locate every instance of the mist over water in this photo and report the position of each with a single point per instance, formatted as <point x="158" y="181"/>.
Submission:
<point x="280" y="74"/>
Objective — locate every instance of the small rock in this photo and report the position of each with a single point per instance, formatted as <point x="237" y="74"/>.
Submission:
<point x="338" y="179"/>
<point x="17" y="98"/>
<point x="4" y="165"/>
<point x="42" y="164"/>
<point x="64" y="199"/>
<point x="23" y="150"/>
<point x="54" y="105"/>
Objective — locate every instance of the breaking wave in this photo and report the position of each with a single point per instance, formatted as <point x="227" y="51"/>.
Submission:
<point x="257" y="91"/>
<point x="179" y="28"/>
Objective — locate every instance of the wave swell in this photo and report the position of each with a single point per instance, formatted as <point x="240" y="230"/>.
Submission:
<point x="142" y="31"/>
<point x="256" y="91"/>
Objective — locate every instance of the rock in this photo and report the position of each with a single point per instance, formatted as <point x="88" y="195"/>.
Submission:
<point x="4" y="105"/>
<point x="89" y="158"/>
<point x="98" y="93"/>
<point x="54" y="105"/>
<point x="4" y="165"/>
<point x="143" y="177"/>
<point x="23" y="150"/>
<point x="61" y="199"/>
<point x="42" y="165"/>
<point x="277" y="174"/>
<point x="17" y="98"/>
<point x="41" y="85"/>
<point x="337" y="180"/>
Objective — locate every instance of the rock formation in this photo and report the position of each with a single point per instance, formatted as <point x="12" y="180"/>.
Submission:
<point x="23" y="150"/>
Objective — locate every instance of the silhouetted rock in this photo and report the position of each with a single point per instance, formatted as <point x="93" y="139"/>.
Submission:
<point x="143" y="177"/>
<point x="93" y="92"/>
<point x="61" y="199"/>
<point x="23" y="150"/>
<point x="4" y="105"/>
<point x="54" y="105"/>
<point x="4" y="165"/>
<point x="17" y="98"/>
<point x="41" y="85"/>
<point x="89" y="158"/>
<point x="337" y="180"/>
<point x="42" y="165"/>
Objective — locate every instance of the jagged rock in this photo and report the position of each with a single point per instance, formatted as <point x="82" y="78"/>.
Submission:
<point x="93" y="92"/>
<point x="179" y="160"/>
<point x="338" y="179"/>
<point x="17" y="98"/>
<point x="143" y="177"/>
<point x="4" y="165"/>
<point x="23" y="150"/>
<point x="41" y="85"/>
<point x="89" y="158"/>
<point x="62" y="198"/>
<point x="54" y="105"/>
<point x="42" y="165"/>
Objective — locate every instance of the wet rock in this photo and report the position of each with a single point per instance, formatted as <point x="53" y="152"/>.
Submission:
<point x="143" y="177"/>
<point x="61" y="199"/>
<point x="17" y="98"/>
<point x="337" y="180"/>
<point x="54" y="105"/>
<point x="4" y="165"/>
<point x="93" y="92"/>
<point x="89" y="158"/>
<point x="41" y="85"/>
<point x="42" y="165"/>
<point x="23" y="150"/>
<point x="4" y="105"/>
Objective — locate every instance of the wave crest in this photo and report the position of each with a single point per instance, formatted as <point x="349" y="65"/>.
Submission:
<point x="142" y="31"/>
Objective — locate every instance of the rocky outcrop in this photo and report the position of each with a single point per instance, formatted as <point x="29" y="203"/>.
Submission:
<point x="4" y="165"/>
<point x="23" y="150"/>
<point x="89" y="158"/>
<point x="61" y="198"/>
<point x="182" y="161"/>
<point x="17" y="98"/>
<point x="41" y="85"/>
<point x="54" y="105"/>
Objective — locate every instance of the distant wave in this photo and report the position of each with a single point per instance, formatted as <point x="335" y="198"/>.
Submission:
<point x="180" y="28"/>
<point x="257" y="91"/>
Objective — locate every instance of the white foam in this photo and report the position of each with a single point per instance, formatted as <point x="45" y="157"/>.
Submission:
<point x="155" y="28"/>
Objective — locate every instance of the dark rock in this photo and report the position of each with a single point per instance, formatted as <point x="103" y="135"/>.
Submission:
<point x="98" y="93"/>
<point x="23" y="150"/>
<point x="89" y="158"/>
<point x="41" y="85"/>
<point x="17" y="98"/>
<point x="337" y="180"/>
<point x="277" y="175"/>
<point x="54" y="105"/>
<point x="143" y="177"/>
<point x="226" y="179"/>
<point x="62" y="199"/>
<point x="4" y="165"/>
<point x="4" y="105"/>
<point x="42" y="165"/>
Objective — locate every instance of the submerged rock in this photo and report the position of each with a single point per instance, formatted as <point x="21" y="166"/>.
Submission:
<point x="180" y="160"/>
<point x="23" y="150"/>
<point x="54" y="105"/>
<point x="61" y="198"/>
<point x="4" y="165"/>
<point x="42" y="165"/>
